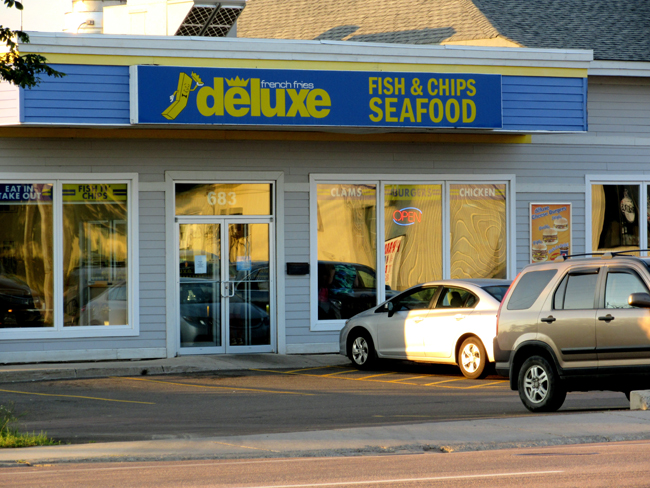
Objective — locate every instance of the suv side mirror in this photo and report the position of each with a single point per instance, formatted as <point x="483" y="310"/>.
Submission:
<point x="639" y="300"/>
<point x="391" y="308"/>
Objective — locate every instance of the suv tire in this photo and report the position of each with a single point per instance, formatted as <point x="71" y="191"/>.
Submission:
<point x="540" y="388"/>
<point x="361" y="350"/>
<point x="472" y="359"/>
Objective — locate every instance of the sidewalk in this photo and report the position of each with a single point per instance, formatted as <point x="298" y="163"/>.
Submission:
<point x="178" y="365"/>
<point x="530" y="431"/>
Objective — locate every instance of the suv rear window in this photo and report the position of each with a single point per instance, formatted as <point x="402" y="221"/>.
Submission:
<point x="529" y="288"/>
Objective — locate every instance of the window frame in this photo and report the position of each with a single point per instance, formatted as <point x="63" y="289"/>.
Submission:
<point x="59" y="331"/>
<point x="642" y="181"/>
<point x="381" y="180"/>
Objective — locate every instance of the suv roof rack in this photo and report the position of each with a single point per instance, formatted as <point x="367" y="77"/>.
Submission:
<point x="605" y="254"/>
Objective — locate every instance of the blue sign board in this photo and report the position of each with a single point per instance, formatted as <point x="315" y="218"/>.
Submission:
<point x="264" y="97"/>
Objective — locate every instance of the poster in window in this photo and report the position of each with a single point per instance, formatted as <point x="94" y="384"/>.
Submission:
<point x="550" y="231"/>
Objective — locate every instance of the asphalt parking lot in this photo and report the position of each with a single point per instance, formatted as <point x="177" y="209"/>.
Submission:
<point x="267" y="401"/>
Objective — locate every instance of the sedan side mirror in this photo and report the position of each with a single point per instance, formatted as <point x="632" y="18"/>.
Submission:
<point x="639" y="300"/>
<point x="391" y="308"/>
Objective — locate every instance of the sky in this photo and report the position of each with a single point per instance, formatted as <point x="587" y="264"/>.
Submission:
<point x="37" y="15"/>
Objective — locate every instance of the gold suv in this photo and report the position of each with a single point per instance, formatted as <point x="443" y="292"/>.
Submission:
<point x="578" y="324"/>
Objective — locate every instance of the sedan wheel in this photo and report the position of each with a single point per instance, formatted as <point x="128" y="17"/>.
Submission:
<point x="540" y="389"/>
<point x="472" y="359"/>
<point x="361" y="350"/>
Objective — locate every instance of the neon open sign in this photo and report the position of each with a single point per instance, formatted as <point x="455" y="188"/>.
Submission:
<point x="407" y="216"/>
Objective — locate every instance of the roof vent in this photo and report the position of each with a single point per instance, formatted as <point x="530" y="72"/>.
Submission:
<point x="209" y="19"/>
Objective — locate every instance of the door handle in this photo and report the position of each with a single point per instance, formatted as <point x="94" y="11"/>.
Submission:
<point x="459" y="316"/>
<point x="549" y="320"/>
<point x="607" y="318"/>
<point x="418" y="320"/>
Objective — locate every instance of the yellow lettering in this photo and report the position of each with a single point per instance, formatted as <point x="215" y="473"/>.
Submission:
<point x="471" y="90"/>
<point x="372" y="84"/>
<point x="452" y="118"/>
<point x="419" y="109"/>
<point x="444" y="87"/>
<point x="469" y="111"/>
<point x="407" y="111"/>
<point x="388" y="87"/>
<point x="279" y="109"/>
<point x="237" y="96"/>
<point x="379" y="114"/>
<point x="399" y="86"/>
<point x="297" y="103"/>
<point x="255" y="97"/>
<point x="216" y="93"/>
<point x="461" y="86"/>
<point x="435" y="82"/>
<point x="436" y="103"/>
<point x="390" y="110"/>
<point x="318" y="98"/>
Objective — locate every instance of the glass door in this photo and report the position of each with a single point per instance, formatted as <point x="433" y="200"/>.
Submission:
<point x="249" y="299"/>
<point x="200" y="285"/>
<point x="225" y="286"/>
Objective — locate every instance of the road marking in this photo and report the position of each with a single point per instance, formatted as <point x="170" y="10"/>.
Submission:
<point x="445" y="381"/>
<point x="488" y="384"/>
<point x="373" y="376"/>
<point x="404" y="379"/>
<point x="216" y="387"/>
<point x="413" y="480"/>
<point x="397" y="381"/>
<point x="76" y="396"/>
<point x="306" y="369"/>
<point x="340" y="372"/>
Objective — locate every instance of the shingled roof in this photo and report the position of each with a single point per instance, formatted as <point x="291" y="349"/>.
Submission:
<point x="614" y="29"/>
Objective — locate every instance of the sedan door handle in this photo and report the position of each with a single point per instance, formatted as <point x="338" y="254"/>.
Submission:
<point x="418" y="320"/>
<point x="606" y="318"/>
<point x="460" y="317"/>
<point x="549" y="320"/>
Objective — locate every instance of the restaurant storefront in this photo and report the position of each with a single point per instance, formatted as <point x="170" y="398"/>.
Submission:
<point x="245" y="202"/>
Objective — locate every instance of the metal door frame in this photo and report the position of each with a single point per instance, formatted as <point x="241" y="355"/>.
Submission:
<point x="224" y="222"/>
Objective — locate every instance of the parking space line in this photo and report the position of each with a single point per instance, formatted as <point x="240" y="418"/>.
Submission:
<point x="373" y="376"/>
<point x="245" y="447"/>
<point x="445" y="381"/>
<point x="308" y="369"/>
<point x="404" y="379"/>
<point x="488" y="384"/>
<point x="76" y="396"/>
<point x="257" y="390"/>
<point x="399" y="381"/>
<point x="341" y="372"/>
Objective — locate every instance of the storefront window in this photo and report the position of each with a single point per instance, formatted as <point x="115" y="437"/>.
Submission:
<point x="223" y="199"/>
<point x="26" y="256"/>
<point x="95" y="278"/>
<point x="615" y="217"/>
<point x="477" y="217"/>
<point x="347" y="249"/>
<point x="413" y="235"/>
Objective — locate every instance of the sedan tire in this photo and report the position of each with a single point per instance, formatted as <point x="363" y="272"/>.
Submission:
<point x="540" y="388"/>
<point x="472" y="359"/>
<point x="361" y="349"/>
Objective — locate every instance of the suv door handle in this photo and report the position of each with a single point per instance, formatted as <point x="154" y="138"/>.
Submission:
<point x="606" y="318"/>
<point x="549" y="320"/>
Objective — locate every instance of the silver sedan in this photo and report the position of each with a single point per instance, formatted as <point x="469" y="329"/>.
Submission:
<point x="446" y="322"/>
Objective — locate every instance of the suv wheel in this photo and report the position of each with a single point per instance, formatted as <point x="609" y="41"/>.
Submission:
<point x="539" y="386"/>
<point x="472" y="359"/>
<point x="361" y="350"/>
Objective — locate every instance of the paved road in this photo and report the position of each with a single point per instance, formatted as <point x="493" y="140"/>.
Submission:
<point x="593" y="465"/>
<point x="267" y="400"/>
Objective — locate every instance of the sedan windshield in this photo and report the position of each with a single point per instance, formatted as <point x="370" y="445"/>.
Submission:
<point x="497" y="292"/>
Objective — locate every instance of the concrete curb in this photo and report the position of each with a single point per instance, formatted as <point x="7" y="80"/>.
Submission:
<point x="179" y="365"/>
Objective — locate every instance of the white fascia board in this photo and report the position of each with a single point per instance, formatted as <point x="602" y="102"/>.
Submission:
<point x="300" y="50"/>
<point x="619" y="68"/>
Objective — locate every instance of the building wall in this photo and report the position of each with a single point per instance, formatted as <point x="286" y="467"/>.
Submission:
<point x="551" y="169"/>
